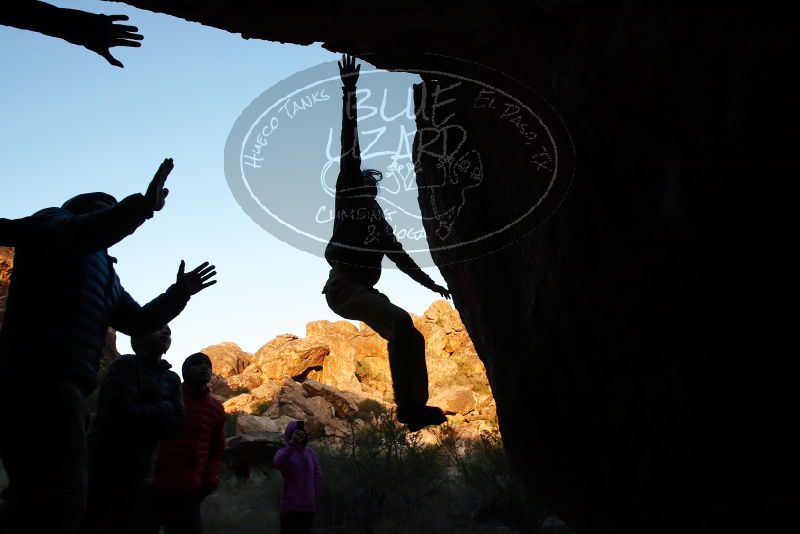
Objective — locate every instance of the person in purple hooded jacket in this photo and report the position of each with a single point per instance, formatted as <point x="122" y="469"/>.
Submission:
<point x="302" y="480"/>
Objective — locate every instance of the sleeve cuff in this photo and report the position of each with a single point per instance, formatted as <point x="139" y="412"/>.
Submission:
<point x="137" y="203"/>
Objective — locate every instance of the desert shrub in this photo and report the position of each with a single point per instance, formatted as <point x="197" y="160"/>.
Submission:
<point x="488" y="487"/>
<point x="261" y="406"/>
<point x="248" y="506"/>
<point x="380" y="473"/>
<point x="368" y="410"/>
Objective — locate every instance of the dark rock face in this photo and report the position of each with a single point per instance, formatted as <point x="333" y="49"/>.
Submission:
<point x="638" y="343"/>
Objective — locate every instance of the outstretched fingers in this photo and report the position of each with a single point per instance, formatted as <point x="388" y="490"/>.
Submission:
<point x="164" y="169"/>
<point x="105" y="54"/>
<point x="107" y="34"/>
<point x="126" y="42"/>
<point x="204" y="274"/>
<point x="209" y="283"/>
<point x="201" y="267"/>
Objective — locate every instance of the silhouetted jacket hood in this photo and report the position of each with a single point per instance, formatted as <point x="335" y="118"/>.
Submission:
<point x="77" y="205"/>
<point x="289" y="430"/>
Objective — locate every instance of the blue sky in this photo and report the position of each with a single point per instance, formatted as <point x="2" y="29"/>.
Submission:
<point x="71" y="123"/>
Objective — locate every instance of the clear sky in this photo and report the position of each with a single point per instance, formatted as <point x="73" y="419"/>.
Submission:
<point x="71" y="123"/>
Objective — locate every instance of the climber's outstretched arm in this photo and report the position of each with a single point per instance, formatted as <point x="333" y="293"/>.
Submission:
<point x="406" y="264"/>
<point x="350" y="162"/>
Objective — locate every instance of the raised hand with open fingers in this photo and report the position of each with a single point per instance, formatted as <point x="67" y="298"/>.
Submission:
<point x="348" y="70"/>
<point x="156" y="192"/>
<point x="100" y="33"/>
<point x="443" y="291"/>
<point x="197" y="279"/>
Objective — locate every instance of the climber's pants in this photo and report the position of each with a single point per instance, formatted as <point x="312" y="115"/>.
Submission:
<point x="356" y="301"/>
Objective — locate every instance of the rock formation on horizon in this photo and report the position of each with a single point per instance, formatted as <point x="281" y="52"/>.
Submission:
<point x="337" y="366"/>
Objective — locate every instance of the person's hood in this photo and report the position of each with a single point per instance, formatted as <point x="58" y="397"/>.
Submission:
<point x="77" y="204"/>
<point x="287" y="434"/>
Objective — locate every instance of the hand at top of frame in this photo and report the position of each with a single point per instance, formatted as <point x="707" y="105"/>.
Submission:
<point x="348" y="70"/>
<point x="99" y="33"/>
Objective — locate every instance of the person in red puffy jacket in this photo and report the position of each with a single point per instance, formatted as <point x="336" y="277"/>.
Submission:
<point x="302" y="480"/>
<point x="188" y="466"/>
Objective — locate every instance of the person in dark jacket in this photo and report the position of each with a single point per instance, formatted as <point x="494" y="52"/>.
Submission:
<point x="302" y="480"/>
<point x="188" y="466"/>
<point x="361" y="237"/>
<point x="63" y="296"/>
<point x="139" y="403"/>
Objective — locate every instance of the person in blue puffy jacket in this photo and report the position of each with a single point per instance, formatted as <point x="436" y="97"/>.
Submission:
<point x="62" y="298"/>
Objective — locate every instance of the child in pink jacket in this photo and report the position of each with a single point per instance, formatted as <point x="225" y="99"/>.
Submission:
<point x="302" y="480"/>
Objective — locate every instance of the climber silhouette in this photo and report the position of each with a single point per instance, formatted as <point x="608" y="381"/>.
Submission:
<point x="361" y="237"/>
<point x="63" y="296"/>
<point x="97" y="33"/>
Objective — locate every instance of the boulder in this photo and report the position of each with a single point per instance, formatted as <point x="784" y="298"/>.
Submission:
<point x="342" y="340"/>
<point x="344" y="404"/>
<point x="318" y="413"/>
<point x="219" y="387"/>
<point x="369" y="343"/>
<point x="290" y="357"/>
<point x="239" y="403"/>
<point x="247" y="424"/>
<point x="244" y="382"/>
<point x="454" y="400"/>
<point x="253" y="450"/>
<point x="457" y="339"/>
<point x="435" y="336"/>
<point x="227" y="358"/>
<point x="442" y="313"/>
<point x="267" y="390"/>
<point x="373" y="373"/>
<point x="251" y="369"/>
<point x="442" y="371"/>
